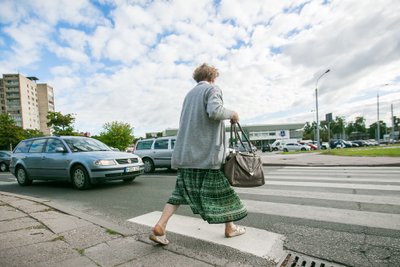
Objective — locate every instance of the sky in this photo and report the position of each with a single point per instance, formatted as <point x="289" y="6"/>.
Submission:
<point x="132" y="61"/>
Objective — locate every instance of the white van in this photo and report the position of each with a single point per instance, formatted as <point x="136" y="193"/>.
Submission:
<point x="278" y="144"/>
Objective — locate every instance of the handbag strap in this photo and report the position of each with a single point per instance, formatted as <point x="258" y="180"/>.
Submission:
<point x="234" y="130"/>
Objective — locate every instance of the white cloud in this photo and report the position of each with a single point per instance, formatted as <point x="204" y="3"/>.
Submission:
<point x="132" y="61"/>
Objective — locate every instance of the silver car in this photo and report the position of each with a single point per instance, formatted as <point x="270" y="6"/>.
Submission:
<point x="295" y="147"/>
<point x="155" y="152"/>
<point x="81" y="160"/>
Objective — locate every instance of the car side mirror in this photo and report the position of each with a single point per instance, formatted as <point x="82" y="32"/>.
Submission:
<point x="60" y="149"/>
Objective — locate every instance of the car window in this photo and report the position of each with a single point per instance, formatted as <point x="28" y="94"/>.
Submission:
<point x="172" y="143"/>
<point x="161" y="144"/>
<point x="85" y="144"/>
<point x="23" y="147"/>
<point x="142" y="145"/>
<point x="52" y="144"/>
<point x="37" y="146"/>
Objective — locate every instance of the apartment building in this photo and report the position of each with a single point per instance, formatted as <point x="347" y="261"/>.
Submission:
<point x="27" y="102"/>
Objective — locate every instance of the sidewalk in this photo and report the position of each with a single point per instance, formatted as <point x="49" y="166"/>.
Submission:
<point x="37" y="232"/>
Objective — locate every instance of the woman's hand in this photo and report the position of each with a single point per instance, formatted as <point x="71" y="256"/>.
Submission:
<point x="234" y="117"/>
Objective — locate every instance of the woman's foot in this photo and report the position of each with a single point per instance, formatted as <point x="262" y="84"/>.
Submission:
<point x="237" y="230"/>
<point x="158" y="235"/>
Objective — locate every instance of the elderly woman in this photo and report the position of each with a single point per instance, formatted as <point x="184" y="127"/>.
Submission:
<point x="199" y="153"/>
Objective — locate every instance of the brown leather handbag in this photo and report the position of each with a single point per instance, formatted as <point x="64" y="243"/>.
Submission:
<point x="243" y="168"/>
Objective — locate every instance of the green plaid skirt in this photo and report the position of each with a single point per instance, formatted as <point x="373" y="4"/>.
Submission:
<point x="209" y="194"/>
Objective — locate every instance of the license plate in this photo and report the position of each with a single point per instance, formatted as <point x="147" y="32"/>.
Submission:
<point x="132" y="169"/>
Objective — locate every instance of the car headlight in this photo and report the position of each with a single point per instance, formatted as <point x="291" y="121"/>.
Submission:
<point x="140" y="160"/>
<point x="105" y="162"/>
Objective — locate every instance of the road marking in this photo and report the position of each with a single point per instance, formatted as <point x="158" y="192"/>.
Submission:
<point x="258" y="242"/>
<point x="372" y="199"/>
<point x="344" y="216"/>
<point x="336" y="185"/>
<point x="336" y="179"/>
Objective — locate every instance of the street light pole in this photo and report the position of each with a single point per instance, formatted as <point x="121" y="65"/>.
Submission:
<point x="316" y="106"/>
<point x="377" y="113"/>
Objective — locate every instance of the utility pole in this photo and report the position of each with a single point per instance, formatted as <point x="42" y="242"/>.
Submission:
<point x="377" y="121"/>
<point x="392" y="132"/>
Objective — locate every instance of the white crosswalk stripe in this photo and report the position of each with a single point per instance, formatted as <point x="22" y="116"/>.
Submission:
<point x="337" y="185"/>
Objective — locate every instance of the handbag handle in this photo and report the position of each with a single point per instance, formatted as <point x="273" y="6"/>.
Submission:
<point x="234" y="131"/>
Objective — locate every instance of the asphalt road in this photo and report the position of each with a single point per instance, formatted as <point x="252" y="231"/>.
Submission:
<point x="337" y="240"/>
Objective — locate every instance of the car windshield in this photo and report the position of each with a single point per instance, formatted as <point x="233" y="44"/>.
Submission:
<point x="85" y="145"/>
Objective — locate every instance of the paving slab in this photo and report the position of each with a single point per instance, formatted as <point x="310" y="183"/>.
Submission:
<point x="28" y="206"/>
<point x="59" y="222"/>
<point x="119" y="251"/>
<point x="24" y="237"/>
<point x="38" y="254"/>
<point x="9" y="213"/>
<point x="88" y="236"/>
<point x="166" y="259"/>
<point x="18" y="223"/>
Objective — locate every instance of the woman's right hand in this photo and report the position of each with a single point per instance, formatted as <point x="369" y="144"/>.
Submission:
<point x="234" y="117"/>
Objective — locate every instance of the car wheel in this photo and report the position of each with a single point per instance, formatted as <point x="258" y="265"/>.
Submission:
<point x="3" y="167"/>
<point x="22" y="177"/>
<point x="303" y="149"/>
<point x="80" y="178"/>
<point x="285" y="150"/>
<point x="148" y="165"/>
<point x="128" y="180"/>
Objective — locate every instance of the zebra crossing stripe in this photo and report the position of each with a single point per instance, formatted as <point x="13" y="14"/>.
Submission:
<point x="336" y="185"/>
<point x="343" y="216"/>
<point x="255" y="241"/>
<point x="371" y="199"/>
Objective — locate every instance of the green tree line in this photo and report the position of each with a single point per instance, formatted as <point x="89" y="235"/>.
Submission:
<point x="353" y="130"/>
<point x="114" y="134"/>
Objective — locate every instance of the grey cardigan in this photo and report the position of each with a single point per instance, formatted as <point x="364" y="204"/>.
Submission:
<point x="201" y="140"/>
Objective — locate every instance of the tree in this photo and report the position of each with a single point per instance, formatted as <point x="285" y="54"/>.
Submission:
<point x="30" y="133"/>
<point x="338" y="126"/>
<point x="61" y="124"/>
<point x="373" y="131"/>
<point x="309" y="131"/>
<point x="117" y="134"/>
<point x="10" y="133"/>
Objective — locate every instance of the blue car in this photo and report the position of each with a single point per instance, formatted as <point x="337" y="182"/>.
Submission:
<point x="5" y="157"/>
<point x="81" y="160"/>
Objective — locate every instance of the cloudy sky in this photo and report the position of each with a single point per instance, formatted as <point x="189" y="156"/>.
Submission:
<point x="132" y="61"/>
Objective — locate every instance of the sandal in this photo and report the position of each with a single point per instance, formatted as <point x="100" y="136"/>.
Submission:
<point x="238" y="231"/>
<point x="157" y="235"/>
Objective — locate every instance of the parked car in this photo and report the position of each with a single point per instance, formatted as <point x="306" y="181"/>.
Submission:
<point x="278" y="144"/>
<point x="239" y="147"/>
<point x="155" y="152"/>
<point x="360" y="143"/>
<point x="81" y="160"/>
<point x="311" y="145"/>
<point x="295" y="147"/>
<point x="266" y="148"/>
<point x="5" y="157"/>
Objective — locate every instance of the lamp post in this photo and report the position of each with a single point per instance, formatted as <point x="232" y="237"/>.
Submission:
<point x="377" y="116"/>
<point x="316" y="106"/>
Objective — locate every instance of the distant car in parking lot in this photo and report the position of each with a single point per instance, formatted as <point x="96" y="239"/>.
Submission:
<point x="81" y="160"/>
<point x="5" y="157"/>
<point x="239" y="147"/>
<point x="156" y="152"/>
<point x="295" y="147"/>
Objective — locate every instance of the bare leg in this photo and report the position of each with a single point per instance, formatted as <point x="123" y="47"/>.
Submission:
<point x="158" y="232"/>
<point x="168" y="211"/>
